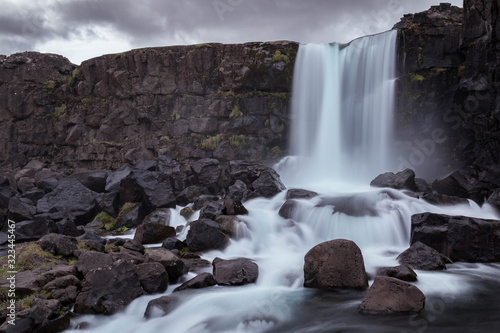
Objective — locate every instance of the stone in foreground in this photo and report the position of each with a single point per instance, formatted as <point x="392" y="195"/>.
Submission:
<point x="389" y="295"/>
<point x="235" y="272"/>
<point x="335" y="264"/>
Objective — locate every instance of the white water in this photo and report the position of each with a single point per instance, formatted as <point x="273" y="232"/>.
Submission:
<point x="347" y="148"/>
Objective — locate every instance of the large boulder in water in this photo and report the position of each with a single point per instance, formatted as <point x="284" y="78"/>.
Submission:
<point x="235" y="272"/>
<point x="421" y="256"/>
<point x="388" y="295"/>
<point x="205" y="234"/>
<point x="335" y="264"/>
<point x="155" y="227"/>
<point x="459" y="238"/>
<point x="404" y="180"/>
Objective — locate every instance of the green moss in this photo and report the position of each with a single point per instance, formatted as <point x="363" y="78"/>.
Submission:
<point x="278" y="57"/>
<point x="237" y="140"/>
<point x="440" y="70"/>
<point x="235" y="113"/>
<point x="267" y="123"/>
<point x="72" y="262"/>
<point x="28" y="256"/>
<point x="170" y="97"/>
<point x="212" y="142"/>
<point x="460" y="70"/>
<point x="228" y="93"/>
<point x="202" y="45"/>
<point x="175" y="115"/>
<point x="416" y="78"/>
<point x="49" y="85"/>
<point x="120" y="231"/>
<point x="60" y="110"/>
<point x="276" y="151"/>
<point x="420" y="58"/>
<point x="126" y="208"/>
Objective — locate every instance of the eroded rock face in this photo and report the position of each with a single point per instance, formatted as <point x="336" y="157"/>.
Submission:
<point x="421" y="256"/>
<point x="335" y="264"/>
<point x="194" y="102"/>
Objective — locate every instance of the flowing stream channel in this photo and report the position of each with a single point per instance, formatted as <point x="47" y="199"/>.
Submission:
<point x="342" y="108"/>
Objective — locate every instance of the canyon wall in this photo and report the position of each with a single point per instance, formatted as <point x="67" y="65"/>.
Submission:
<point x="186" y="102"/>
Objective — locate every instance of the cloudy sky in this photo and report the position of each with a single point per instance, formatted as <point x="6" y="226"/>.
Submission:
<point x="82" y="29"/>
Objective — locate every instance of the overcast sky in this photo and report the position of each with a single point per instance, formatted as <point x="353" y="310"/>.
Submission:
<point x="82" y="29"/>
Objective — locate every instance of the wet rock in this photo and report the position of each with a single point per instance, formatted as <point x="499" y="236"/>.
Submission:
<point x="459" y="238"/>
<point x="211" y="210"/>
<point x="205" y="235"/>
<point x="210" y="173"/>
<point x="68" y="227"/>
<point x="463" y="184"/>
<point x="421" y="256"/>
<point x="335" y="264"/>
<point x="33" y="195"/>
<point x="388" y="295"/>
<point x="172" y="243"/>
<point x="6" y="193"/>
<point x="235" y="272"/>
<point x="202" y="280"/>
<point x="190" y="193"/>
<point x="58" y="244"/>
<point x="443" y="200"/>
<point x="114" y="179"/>
<point x="42" y="316"/>
<point x="234" y="207"/>
<point x="131" y="216"/>
<point x="108" y="203"/>
<point x="289" y="209"/>
<point x="133" y="245"/>
<point x="174" y="266"/>
<point x="48" y="184"/>
<point x="70" y="196"/>
<point x="160" y="307"/>
<point x="64" y="289"/>
<point x="108" y="290"/>
<point x="404" y="180"/>
<point x="239" y="191"/>
<point x="155" y="228"/>
<point x="401" y="272"/>
<point x="261" y="180"/>
<point x="422" y="185"/>
<point x="296" y="193"/>
<point x="153" y="277"/>
<point x="93" y="180"/>
<point x="127" y="255"/>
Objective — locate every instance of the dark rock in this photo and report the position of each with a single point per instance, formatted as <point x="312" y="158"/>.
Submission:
<point x="58" y="244"/>
<point x="4" y="181"/>
<point x="389" y="295"/>
<point x="114" y="179"/>
<point x="108" y="203"/>
<point x="421" y="256"/>
<point x="153" y="277"/>
<point x="300" y="194"/>
<point x="494" y="199"/>
<point x="127" y="255"/>
<point x="261" y="180"/>
<point x="33" y="195"/>
<point x="172" y="243"/>
<point x="34" y="230"/>
<point x="6" y="193"/>
<point x="108" y="290"/>
<point x="93" y="180"/>
<point x="401" y="272"/>
<point x="202" y="200"/>
<point x="443" y="200"/>
<point x="335" y="264"/>
<point x="160" y="307"/>
<point x="42" y="316"/>
<point x="155" y="228"/>
<point x="91" y="260"/>
<point x="288" y="209"/>
<point x="459" y="238"/>
<point x="132" y="218"/>
<point x="228" y="224"/>
<point x="174" y="266"/>
<point x="234" y="207"/>
<point x="209" y="173"/>
<point x="133" y="245"/>
<point x="70" y="196"/>
<point x="25" y="184"/>
<point x="239" y="191"/>
<point x="68" y="227"/>
<point x="422" y="185"/>
<point x="190" y="193"/>
<point x="268" y="184"/>
<point x="204" y="235"/>
<point x="211" y="210"/>
<point x="461" y="184"/>
<point x="235" y="272"/>
<point x="48" y="184"/>
<point x="64" y="289"/>
<point x="202" y="280"/>
<point x="21" y="209"/>
<point x="404" y="180"/>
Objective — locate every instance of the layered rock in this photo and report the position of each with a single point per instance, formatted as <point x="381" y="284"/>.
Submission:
<point x="200" y="101"/>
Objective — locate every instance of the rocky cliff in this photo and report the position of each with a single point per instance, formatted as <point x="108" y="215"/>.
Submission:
<point x="187" y="102"/>
<point x="448" y="102"/>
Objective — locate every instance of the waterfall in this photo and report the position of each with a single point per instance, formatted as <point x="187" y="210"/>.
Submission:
<point x="342" y="109"/>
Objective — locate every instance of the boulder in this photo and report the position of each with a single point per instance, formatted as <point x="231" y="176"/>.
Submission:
<point x="260" y="180"/>
<point x="234" y="207"/>
<point x="463" y="184"/>
<point x="403" y="180"/>
<point x="401" y="272"/>
<point x="335" y="264"/>
<point x="34" y="230"/>
<point x="235" y="272"/>
<point x="130" y="217"/>
<point x="133" y="245"/>
<point x="160" y="307"/>
<point x="72" y="197"/>
<point x="48" y="184"/>
<point x="33" y="195"/>
<point x="212" y="209"/>
<point x="108" y="290"/>
<point x="58" y="244"/>
<point x="124" y="254"/>
<point x="153" y="277"/>
<point x="6" y="193"/>
<point x="202" y="280"/>
<point x="210" y="173"/>
<point x="190" y="193"/>
<point x="109" y="203"/>
<point x="296" y="193"/>
<point x="21" y="209"/>
<point x="68" y="227"/>
<point x="443" y="200"/>
<point x="65" y="289"/>
<point x="388" y="295"/>
<point x="459" y="238"/>
<point x="155" y="228"/>
<point x="91" y="260"/>
<point x="204" y="235"/>
<point x="268" y="184"/>
<point x="114" y="179"/>
<point x="93" y="180"/>
<point x="174" y="266"/>
<point x="239" y="191"/>
<point x="288" y="209"/>
<point x="421" y="256"/>
<point x="172" y="243"/>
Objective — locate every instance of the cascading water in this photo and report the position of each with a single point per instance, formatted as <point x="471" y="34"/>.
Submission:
<point x="342" y="119"/>
<point x="342" y="108"/>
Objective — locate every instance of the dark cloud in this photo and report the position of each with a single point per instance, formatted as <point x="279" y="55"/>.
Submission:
<point x="30" y="24"/>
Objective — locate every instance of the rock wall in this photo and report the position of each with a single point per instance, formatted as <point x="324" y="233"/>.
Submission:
<point x="186" y="102"/>
<point x="448" y="103"/>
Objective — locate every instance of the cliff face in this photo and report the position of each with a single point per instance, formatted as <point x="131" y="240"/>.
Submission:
<point x="187" y="102"/>
<point x="448" y="101"/>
